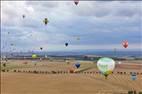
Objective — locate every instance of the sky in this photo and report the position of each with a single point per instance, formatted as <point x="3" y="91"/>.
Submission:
<point x="97" y="24"/>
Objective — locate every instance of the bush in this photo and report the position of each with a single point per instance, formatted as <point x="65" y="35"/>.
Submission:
<point x="140" y="92"/>
<point x="46" y="72"/>
<point x="135" y="92"/>
<point x="3" y="70"/>
<point x="14" y="71"/>
<point x="130" y="92"/>
<point x="35" y="72"/>
<point x="42" y="72"/>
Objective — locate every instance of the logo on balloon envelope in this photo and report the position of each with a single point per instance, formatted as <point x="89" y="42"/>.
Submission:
<point x="106" y="65"/>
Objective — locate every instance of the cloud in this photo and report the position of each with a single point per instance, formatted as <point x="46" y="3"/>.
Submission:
<point x="94" y="22"/>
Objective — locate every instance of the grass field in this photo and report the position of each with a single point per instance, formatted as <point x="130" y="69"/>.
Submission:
<point x="85" y="82"/>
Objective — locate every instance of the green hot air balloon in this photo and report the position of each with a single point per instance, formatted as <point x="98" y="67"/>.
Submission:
<point x="34" y="56"/>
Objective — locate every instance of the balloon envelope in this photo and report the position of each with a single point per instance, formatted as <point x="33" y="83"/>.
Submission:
<point x="77" y="65"/>
<point x="106" y="65"/>
<point x="66" y="44"/>
<point x="76" y="2"/>
<point x="34" y="56"/>
<point x="125" y="44"/>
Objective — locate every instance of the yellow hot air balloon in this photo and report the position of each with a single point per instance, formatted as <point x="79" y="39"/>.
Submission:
<point x="34" y="56"/>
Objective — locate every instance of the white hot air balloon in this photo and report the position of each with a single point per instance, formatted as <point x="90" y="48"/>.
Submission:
<point x="106" y="66"/>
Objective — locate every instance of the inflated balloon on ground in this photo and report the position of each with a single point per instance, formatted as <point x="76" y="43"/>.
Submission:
<point x="66" y="44"/>
<point x="76" y="2"/>
<point x="45" y="21"/>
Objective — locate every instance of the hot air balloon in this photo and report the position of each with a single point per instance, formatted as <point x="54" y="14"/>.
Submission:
<point x="133" y="76"/>
<point x="119" y="62"/>
<point x="12" y="44"/>
<point x="45" y="21"/>
<point x="25" y="63"/>
<point x="125" y="44"/>
<point x="34" y="56"/>
<point x="106" y="66"/>
<point x="76" y="2"/>
<point x="77" y="65"/>
<point x="71" y="70"/>
<point x="66" y="44"/>
<point x="23" y="16"/>
<point x="78" y="38"/>
<point x="41" y="48"/>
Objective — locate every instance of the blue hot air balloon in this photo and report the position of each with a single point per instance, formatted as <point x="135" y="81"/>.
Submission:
<point x="77" y="65"/>
<point x="66" y="44"/>
<point x="133" y="76"/>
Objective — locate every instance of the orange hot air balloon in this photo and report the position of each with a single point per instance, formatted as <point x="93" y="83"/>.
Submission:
<point x="125" y="44"/>
<point x="76" y="2"/>
<point x="71" y="70"/>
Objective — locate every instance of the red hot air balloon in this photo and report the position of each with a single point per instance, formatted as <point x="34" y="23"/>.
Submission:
<point x="125" y="44"/>
<point x="76" y="2"/>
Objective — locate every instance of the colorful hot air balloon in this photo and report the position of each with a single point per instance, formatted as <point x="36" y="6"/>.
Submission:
<point x="12" y="44"/>
<point x="125" y="44"/>
<point x="78" y="38"/>
<point x="71" y="70"/>
<point x="66" y="44"/>
<point x="25" y="63"/>
<point x="45" y="21"/>
<point x="119" y="62"/>
<point x="106" y="66"/>
<point x="77" y="65"/>
<point x="76" y="2"/>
